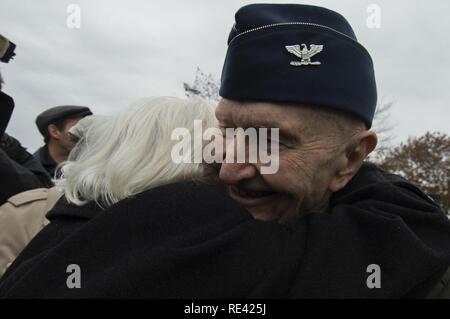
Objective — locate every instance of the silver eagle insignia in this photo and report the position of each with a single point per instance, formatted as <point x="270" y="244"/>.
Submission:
<point x="304" y="54"/>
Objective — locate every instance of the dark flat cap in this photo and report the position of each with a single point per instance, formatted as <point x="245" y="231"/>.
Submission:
<point x="298" y="54"/>
<point x="57" y="113"/>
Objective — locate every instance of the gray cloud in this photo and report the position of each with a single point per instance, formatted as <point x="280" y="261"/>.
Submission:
<point x="129" y="49"/>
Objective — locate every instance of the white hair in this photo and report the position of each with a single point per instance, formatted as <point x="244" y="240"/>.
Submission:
<point x="131" y="152"/>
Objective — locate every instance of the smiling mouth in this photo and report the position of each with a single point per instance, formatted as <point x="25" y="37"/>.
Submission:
<point x="249" y="197"/>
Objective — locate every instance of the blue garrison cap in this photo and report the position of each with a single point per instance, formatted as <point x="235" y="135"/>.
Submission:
<point x="291" y="53"/>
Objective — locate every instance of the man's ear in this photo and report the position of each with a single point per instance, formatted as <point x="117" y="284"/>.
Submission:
<point x="53" y="132"/>
<point x="356" y="152"/>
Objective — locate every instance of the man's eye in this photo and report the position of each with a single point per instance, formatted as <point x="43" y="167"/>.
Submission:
<point x="274" y="143"/>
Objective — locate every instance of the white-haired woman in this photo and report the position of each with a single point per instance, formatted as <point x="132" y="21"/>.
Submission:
<point x="114" y="158"/>
<point x="134" y="151"/>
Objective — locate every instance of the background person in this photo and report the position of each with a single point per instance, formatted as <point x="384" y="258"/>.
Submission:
<point x="54" y="125"/>
<point x="23" y="215"/>
<point x="19" y="170"/>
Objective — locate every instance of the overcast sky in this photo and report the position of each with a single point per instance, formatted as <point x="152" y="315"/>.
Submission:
<point x="125" y="50"/>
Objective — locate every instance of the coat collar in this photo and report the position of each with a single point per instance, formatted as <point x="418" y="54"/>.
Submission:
<point x="64" y="209"/>
<point x="46" y="160"/>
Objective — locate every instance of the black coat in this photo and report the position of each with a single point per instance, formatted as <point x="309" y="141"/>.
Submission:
<point x="21" y="156"/>
<point x="47" y="162"/>
<point x="19" y="170"/>
<point x="6" y="110"/>
<point x="191" y="240"/>
<point x="15" y="178"/>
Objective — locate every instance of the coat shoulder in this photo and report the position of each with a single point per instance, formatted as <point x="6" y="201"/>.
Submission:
<point x="28" y="197"/>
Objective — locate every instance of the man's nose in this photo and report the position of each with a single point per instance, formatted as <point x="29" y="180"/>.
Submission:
<point x="232" y="173"/>
<point x="233" y="170"/>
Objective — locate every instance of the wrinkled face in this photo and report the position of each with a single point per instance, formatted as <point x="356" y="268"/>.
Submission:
<point x="308" y="143"/>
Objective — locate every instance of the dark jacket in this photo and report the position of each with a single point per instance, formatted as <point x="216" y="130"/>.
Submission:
<point x="14" y="178"/>
<point x="6" y="110"/>
<point x="46" y="160"/>
<point x="190" y="240"/>
<point x="19" y="170"/>
<point x="22" y="157"/>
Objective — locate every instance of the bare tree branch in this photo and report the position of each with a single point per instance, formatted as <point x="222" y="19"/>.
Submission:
<point x="204" y="86"/>
<point x="383" y="126"/>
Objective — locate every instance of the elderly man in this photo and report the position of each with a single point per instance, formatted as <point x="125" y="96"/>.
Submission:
<point x="300" y="69"/>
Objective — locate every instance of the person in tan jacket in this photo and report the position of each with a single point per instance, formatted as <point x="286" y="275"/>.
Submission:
<point x="23" y="215"/>
<point x="21" y="218"/>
